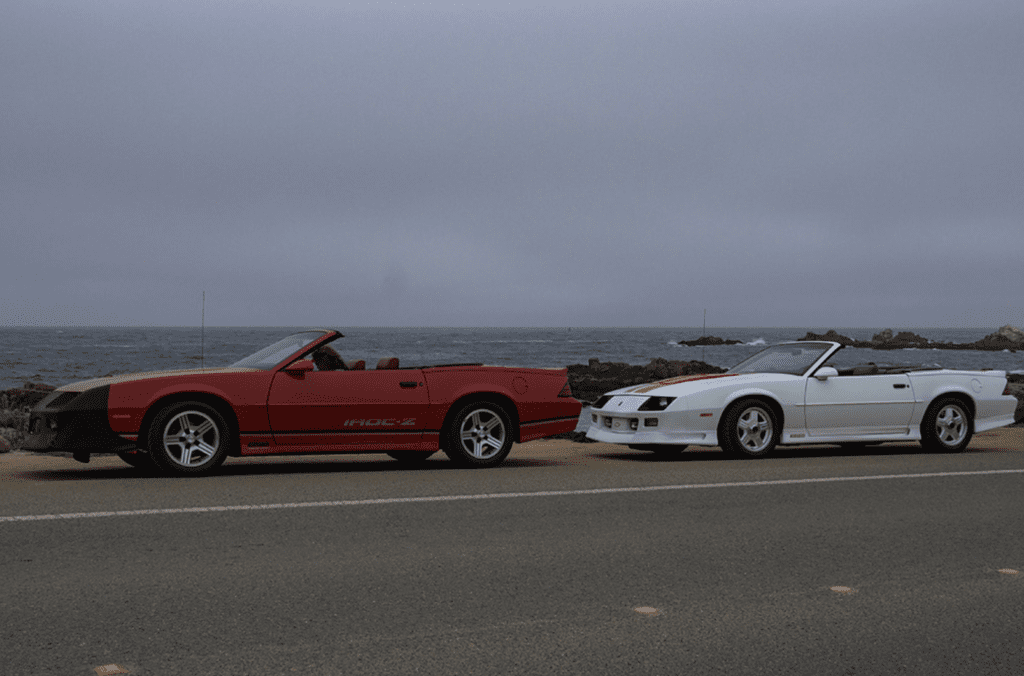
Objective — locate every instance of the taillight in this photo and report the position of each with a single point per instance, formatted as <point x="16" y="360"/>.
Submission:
<point x="1006" y="392"/>
<point x="566" y="390"/>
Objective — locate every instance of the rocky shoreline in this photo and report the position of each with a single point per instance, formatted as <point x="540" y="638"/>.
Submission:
<point x="1007" y="338"/>
<point x="589" y="381"/>
<point x="15" y="404"/>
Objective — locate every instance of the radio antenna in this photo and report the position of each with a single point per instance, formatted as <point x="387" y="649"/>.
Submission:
<point x="702" y="333"/>
<point x="202" y="336"/>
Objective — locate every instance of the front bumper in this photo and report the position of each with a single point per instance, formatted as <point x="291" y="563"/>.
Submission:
<point x="644" y="427"/>
<point x="73" y="422"/>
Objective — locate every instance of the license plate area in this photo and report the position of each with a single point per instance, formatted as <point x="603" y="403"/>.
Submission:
<point x="623" y="425"/>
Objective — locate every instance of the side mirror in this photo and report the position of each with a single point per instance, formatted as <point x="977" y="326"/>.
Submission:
<point x="825" y="372"/>
<point x="300" y="366"/>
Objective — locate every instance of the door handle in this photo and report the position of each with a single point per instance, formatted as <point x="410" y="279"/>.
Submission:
<point x="408" y="383"/>
<point x="899" y="386"/>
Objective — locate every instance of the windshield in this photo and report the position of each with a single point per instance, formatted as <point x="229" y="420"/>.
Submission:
<point x="272" y="355"/>
<point x="789" y="358"/>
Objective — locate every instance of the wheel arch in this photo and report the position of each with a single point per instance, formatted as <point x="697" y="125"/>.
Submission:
<point x="961" y="396"/>
<point x="212" y="400"/>
<point x="506" y="403"/>
<point x="771" y="402"/>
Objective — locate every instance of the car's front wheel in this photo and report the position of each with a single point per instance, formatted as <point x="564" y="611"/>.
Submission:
<point x="946" y="426"/>
<point x="189" y="438"/>
<point x="479" y="435"/>
<point x="750" y="429"/>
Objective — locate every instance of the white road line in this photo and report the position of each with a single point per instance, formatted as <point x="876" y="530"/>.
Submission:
<point x="492" y="496"/>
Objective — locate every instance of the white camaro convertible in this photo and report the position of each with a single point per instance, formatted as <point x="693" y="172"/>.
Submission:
<point x="789" y="394"/>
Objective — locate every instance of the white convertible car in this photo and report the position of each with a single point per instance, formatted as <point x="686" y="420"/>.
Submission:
<point x="789" y="394"/>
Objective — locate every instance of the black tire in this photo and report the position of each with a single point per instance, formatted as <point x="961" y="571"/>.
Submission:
<point x="666" y="450"/>
<point x="750" y="429"/>
<point x="138" y="459"/>
<point x="185" y="430"/>
<point x="411" y="457"/>
<point x="480" y="434"/>
<point x="947" y="426"/>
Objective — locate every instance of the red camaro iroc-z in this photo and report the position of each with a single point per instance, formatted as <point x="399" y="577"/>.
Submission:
<point x="299" y="396"/>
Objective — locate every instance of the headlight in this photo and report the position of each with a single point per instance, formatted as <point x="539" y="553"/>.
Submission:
<point x="656" y="403"/>
<point x="602" y="401"/>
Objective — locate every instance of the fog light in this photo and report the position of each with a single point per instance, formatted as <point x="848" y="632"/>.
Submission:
<point x="53" y="425"/>
<point x="593" y="417"/>
<point x="650" y="422"/>
<point x="633" y="424"/>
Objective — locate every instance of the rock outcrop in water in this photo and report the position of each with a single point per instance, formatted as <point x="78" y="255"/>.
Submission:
<point x="833" y="336"/>
<point x="709" y="340"/>
<point x="1007" y="338"/>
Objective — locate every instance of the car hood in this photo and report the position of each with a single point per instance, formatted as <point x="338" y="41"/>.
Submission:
<point x="684" y="385"/>
<point x="83" y="385"/>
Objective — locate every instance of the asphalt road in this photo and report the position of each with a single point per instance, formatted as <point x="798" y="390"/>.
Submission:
<point x="538" y="566"/>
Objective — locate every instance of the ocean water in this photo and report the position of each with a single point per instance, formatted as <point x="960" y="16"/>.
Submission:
<point x="56" y="356"/>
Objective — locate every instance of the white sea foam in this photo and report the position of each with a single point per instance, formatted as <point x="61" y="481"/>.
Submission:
<point x="759" y="341"/>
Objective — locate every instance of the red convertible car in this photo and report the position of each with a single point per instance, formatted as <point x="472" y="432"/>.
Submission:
<point x="299" y="396"/>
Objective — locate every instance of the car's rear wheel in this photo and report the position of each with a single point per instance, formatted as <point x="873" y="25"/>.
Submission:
<point x="946" y="426"/>
<point x="138" y="458"/>
<point x="750" y="429"/>
<point x="411" y="457"/>
<point x="189" y="438"/>
<point x="479" y="435"/>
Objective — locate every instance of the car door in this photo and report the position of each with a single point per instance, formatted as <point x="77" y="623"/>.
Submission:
<point x="361" y="409"/>
<point x="858" y="405"/>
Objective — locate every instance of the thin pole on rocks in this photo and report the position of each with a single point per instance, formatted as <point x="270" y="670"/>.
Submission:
<point x="202" y="335"/>
<point x="702" y="332"/>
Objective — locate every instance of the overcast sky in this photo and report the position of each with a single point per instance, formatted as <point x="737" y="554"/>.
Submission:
<point x="610" y="163"/>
